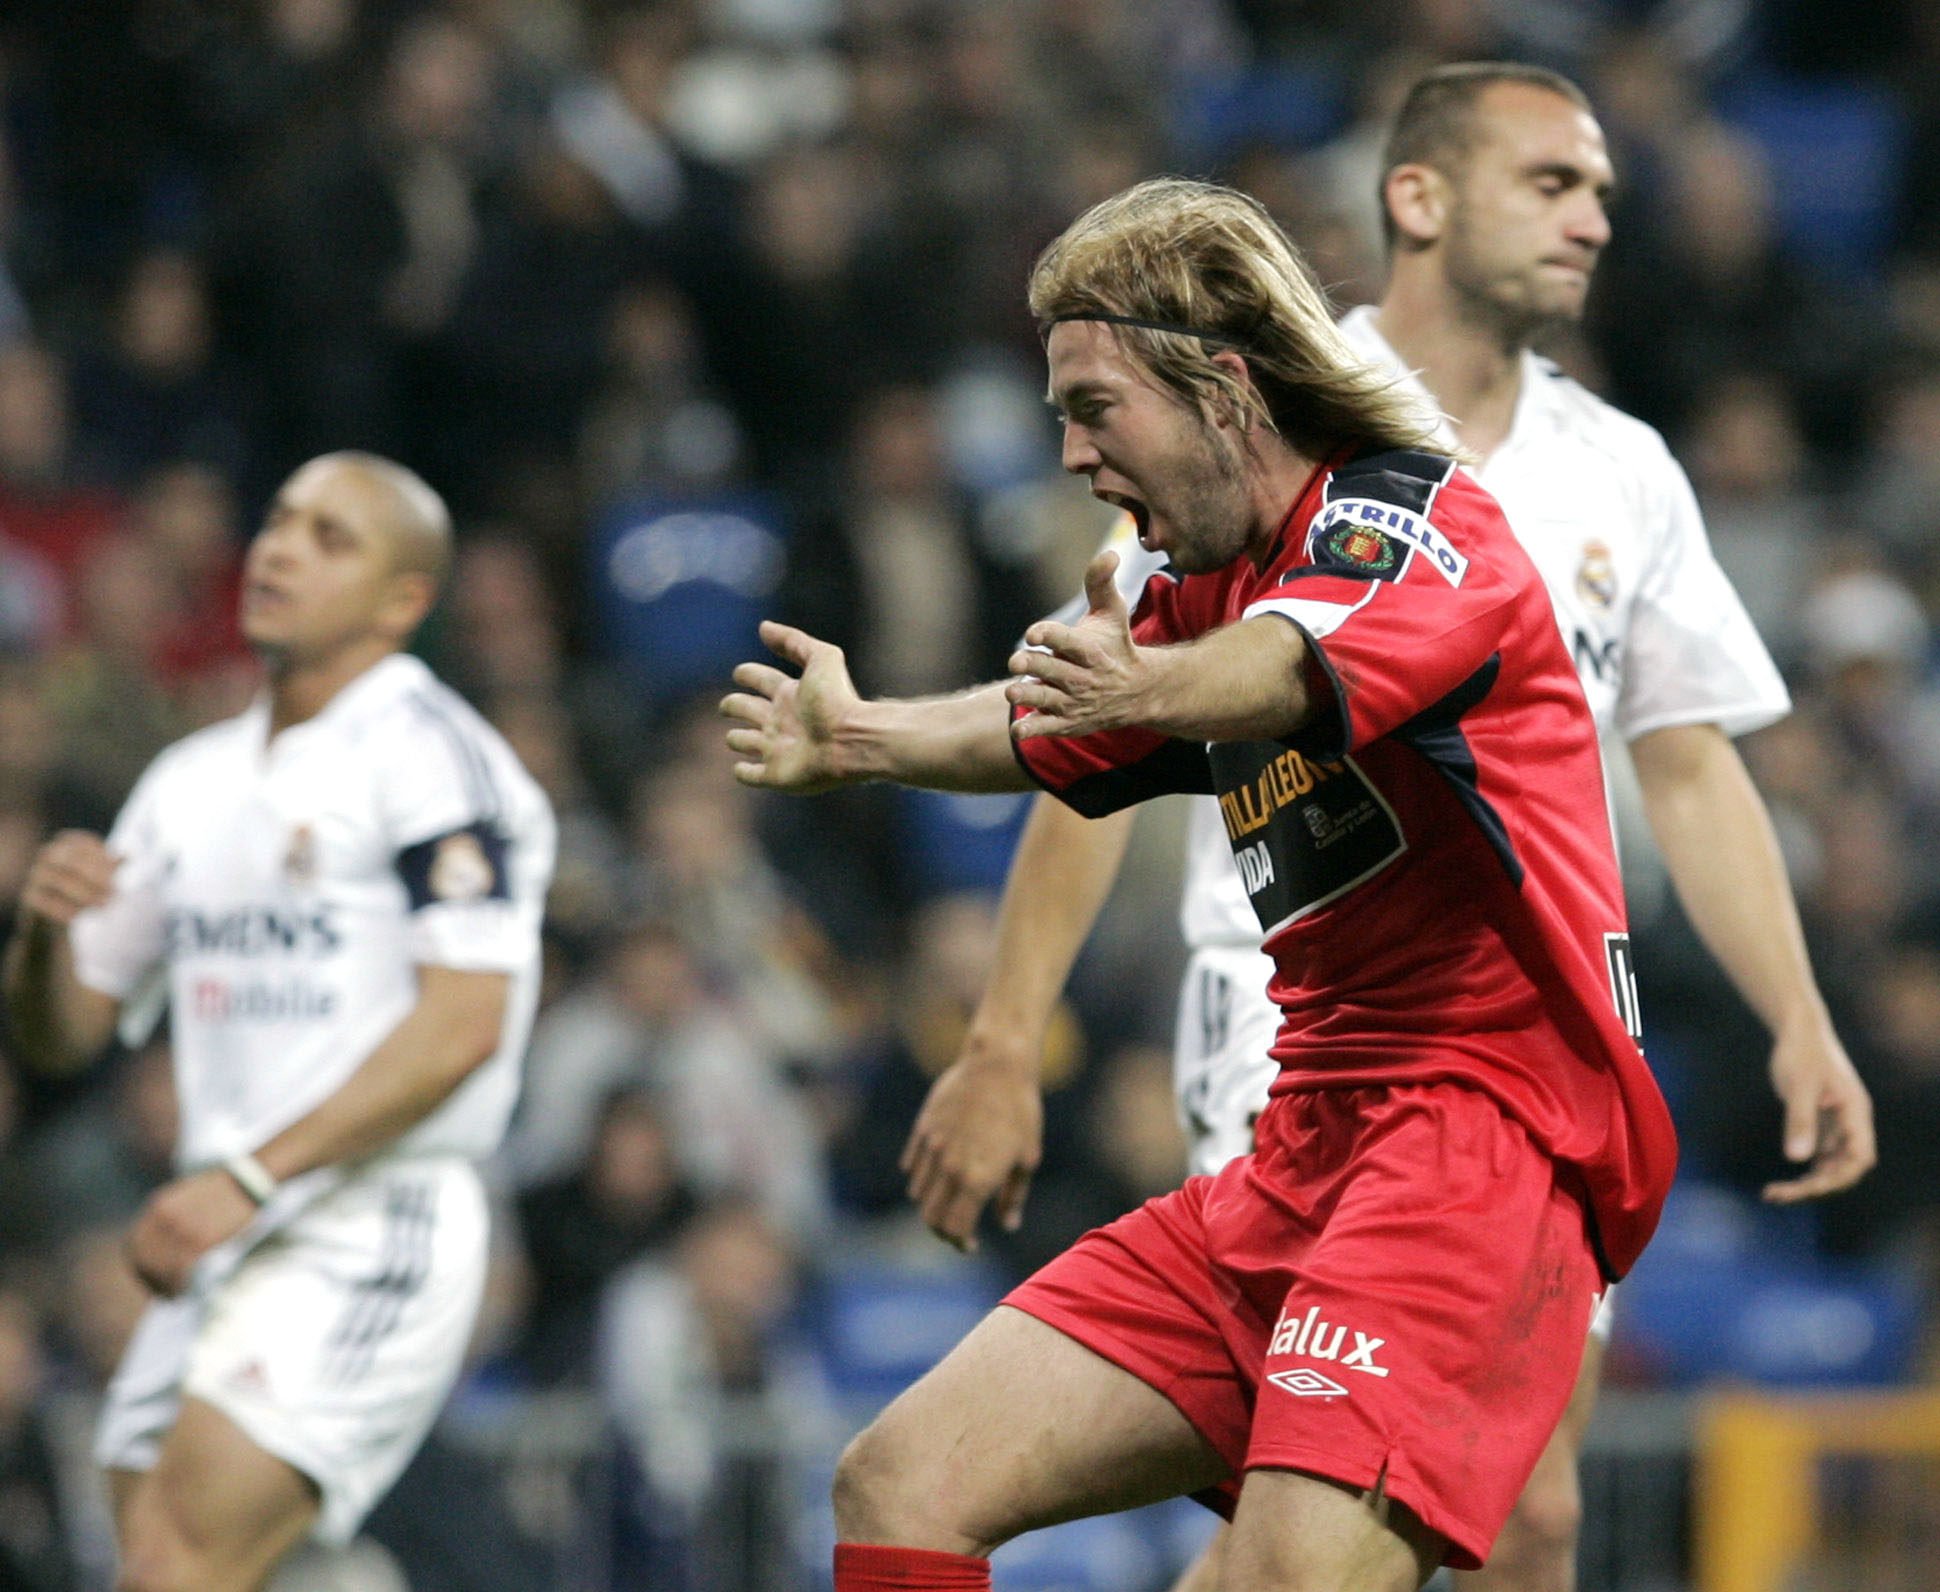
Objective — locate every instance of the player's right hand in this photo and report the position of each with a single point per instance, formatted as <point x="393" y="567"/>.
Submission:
<point x="787" y="726"/>
<point x="70" y="873"/>
<point x="979" y="1136"/>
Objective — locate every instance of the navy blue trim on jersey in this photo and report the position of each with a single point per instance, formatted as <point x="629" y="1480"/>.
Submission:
<point x="474" y="768"/>
<point x="1324" y="737"/>
<point x="1173" y="768"/>
<point x="1408" y="478"/>
<point x="1436" y="733"/>
<point x="461" y="865"/>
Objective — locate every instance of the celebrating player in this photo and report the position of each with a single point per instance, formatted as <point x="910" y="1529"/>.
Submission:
<point x="344" y="886"/>
<point x="1358" y="1338"/>
<point x="1494" y="189"/>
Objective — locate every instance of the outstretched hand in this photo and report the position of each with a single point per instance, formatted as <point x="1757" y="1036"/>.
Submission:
<point x="786" y="724"/>
<point x="1828" y="1115"/>
<point x="1087" y="676"/>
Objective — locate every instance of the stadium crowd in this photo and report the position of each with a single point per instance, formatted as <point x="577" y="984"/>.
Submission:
<point x="710" y="309"/>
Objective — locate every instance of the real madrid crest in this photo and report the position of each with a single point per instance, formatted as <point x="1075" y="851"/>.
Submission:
<point x="300" y="857"/>
<point x="1596" y="576"/>
<point x="460" y="869"/>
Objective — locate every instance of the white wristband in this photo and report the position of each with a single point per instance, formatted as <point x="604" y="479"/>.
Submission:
<point x="252" y="1177"/>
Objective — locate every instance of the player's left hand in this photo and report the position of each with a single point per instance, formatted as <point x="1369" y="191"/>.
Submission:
<point x="787" y="726"/>
<point x="1089" y="675"/>
<point x="1828" y="1114"/>
<point x="181" y="1223"/>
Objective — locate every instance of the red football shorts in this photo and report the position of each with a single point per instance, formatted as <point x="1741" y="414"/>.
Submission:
<point x="1392" y="1286"/>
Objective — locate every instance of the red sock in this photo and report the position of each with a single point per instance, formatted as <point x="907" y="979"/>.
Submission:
<point x="863" y="1567"/>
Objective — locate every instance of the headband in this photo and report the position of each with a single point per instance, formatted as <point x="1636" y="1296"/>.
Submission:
<point x="1148" y="326"/>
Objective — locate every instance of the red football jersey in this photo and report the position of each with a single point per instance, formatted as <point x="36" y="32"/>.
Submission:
<point x="1431" y="856"/>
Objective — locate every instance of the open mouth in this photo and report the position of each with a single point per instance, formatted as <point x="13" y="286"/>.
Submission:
<point x="1141" y="515"/>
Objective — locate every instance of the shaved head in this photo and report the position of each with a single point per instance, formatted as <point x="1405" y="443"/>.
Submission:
<point x="409" y="513"/>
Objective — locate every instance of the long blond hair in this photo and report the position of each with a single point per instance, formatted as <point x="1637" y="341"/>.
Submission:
<point x="1186" y="270"/>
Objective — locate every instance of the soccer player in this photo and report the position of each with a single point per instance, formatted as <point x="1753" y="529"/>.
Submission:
<point x="1495" y="182"/>
<point x="343" y="887"/>
<point x="1359" y="1337"/>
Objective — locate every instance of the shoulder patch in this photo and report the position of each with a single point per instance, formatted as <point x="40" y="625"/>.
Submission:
<point x="465" y="865"/>
<point x="1392" y="523"/>
<point x="1361" y="550"/>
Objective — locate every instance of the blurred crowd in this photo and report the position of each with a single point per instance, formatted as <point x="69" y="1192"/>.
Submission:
<point x="706" y="310"/>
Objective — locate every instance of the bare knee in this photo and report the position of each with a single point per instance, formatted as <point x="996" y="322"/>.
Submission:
<point x="880" y="1491"/>
<point x="155" y="1558"/>
<point x="1536" y="1551"/>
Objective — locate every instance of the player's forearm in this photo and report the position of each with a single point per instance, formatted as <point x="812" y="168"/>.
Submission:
<point x="456" y="1026"/>
<point x="1717" y="841"/>
<point x="1063" y="871"/>
<point x="58" y="1024"/>
<point x="955" y="743"/>
<point x="1246" y="682"/>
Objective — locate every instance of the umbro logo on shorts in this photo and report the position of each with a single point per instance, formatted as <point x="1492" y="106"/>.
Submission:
<point x="1312" y="1337"/>
<point x="1307" y="1383"/>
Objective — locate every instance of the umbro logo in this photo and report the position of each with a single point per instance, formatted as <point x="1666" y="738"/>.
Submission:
<point x="1308" y="1383"/>
<point x="1312" y="1337"/>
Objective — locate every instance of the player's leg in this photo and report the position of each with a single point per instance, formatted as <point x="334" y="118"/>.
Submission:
<point x="215" y="1514"/>
<point x="1019" y="1427"/>
<point x="1221" y="1072"/>
<point x="1202" y="1575"/>
<point x="1537" y="1549"/>
<point x="1298" y="1533"/>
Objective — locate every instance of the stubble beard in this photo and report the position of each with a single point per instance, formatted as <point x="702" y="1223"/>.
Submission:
<point x="1216" y="526"/>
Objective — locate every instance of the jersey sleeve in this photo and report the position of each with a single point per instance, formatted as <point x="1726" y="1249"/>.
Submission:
<point x="117" y="944"/>
<point x="1103" y="772"/>
<point x="472" y="854"/>
<point x="1692" y="654"/>
<point x="1403" y="605"/>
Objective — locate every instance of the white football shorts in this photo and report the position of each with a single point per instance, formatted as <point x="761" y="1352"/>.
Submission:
<point x="332" y="1344"/>
<point x="1221" y="1070"/>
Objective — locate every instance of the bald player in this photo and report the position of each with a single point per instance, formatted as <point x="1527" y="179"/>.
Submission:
<point x="342" y="888"/>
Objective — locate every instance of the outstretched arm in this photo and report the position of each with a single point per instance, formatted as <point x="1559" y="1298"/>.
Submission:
<point x="1717" y="841"/>
<point x="981" y="1130"/>
<point x="812" y="732"/>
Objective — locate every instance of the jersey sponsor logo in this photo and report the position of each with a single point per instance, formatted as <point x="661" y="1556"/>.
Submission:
<point x="1367" y="514"/>
<point x="1312" y="1337"/>
<point x="1596" y="576"/>
<point x="1283" y="781"/>
<point x="219" y="1000"/>
<point x="465" y="865"/>
<point x="1594" y="659"/>
<point x="1303" y="831"/>
<point x="252" y="931"/>
<point x="1623" y="984"/>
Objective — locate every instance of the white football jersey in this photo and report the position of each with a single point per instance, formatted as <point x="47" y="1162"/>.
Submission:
<point x="292" y="888"/>
<point x="1659" y="636"/>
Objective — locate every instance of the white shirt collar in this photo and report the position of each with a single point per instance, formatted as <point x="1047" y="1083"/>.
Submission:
<point x="1363" y="333"/>
<point x="383" y="683"/>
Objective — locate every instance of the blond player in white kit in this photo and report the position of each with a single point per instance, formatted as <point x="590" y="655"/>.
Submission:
<point x="343" y="887"/>
<point x="1494" y="191"/>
